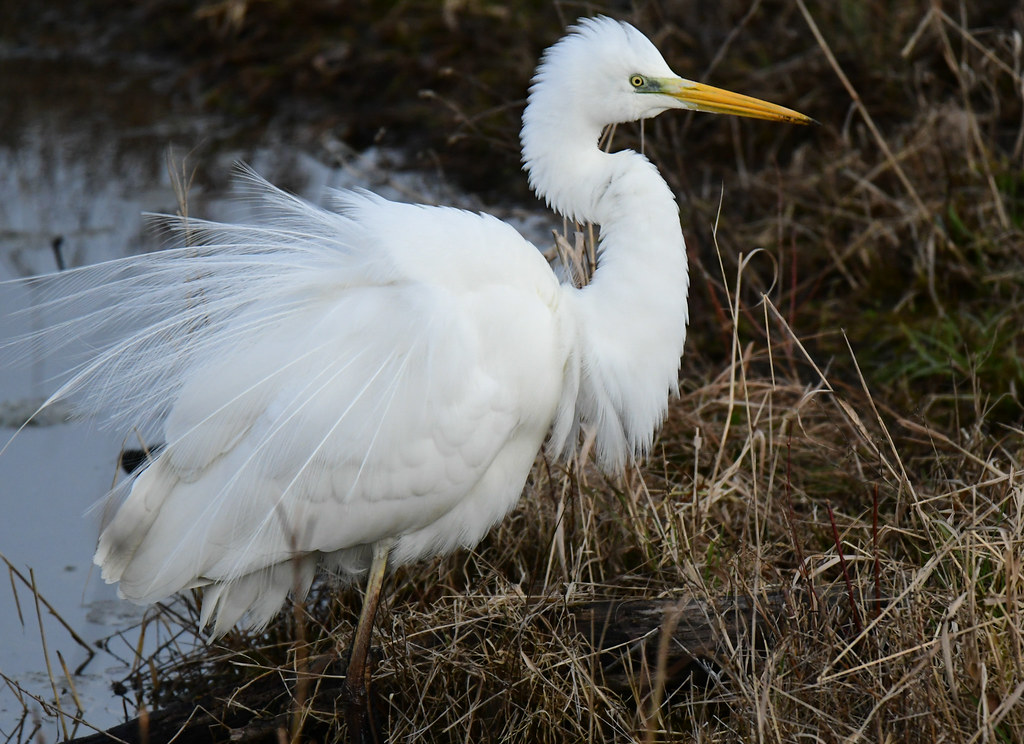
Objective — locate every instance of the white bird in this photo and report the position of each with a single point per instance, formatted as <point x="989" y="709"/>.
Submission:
<point x="369" y="384"/>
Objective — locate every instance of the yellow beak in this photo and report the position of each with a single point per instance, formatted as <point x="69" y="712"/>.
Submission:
<point x="700" y="97"/>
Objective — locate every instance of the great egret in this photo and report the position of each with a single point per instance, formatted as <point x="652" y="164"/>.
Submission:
<point x="371" y="383"/>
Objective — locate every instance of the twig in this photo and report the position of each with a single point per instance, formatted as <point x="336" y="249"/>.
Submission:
<point x="791" y="518"/>
<point x="46" y="657"/>
<point x="71" y="631"/>
<point x="668" y="627"/>
<point x="842" y="564"/>
<point x="874" y="548"/>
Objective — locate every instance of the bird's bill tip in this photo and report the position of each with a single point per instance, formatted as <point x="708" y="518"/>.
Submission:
<point x="701" y="97"/>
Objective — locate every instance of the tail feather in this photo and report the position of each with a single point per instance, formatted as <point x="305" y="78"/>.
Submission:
<point x="256" y="597"/>
<point x="131" y="523"/>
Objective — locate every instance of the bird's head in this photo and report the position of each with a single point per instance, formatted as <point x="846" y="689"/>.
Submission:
<point x="608" y="72"/>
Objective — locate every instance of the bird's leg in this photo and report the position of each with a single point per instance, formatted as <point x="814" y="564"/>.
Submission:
<point x="356" y="677"/>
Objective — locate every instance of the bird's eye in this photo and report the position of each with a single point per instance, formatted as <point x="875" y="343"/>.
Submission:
<point x="637" y="81"/>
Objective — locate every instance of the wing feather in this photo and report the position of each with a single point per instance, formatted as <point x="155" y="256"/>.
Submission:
<point x="322" y="380"/>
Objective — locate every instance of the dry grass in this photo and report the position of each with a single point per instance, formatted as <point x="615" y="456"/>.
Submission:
<point x="851" y="422"/>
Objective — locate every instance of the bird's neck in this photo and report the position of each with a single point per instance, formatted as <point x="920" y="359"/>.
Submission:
<point x="631" y="318"/>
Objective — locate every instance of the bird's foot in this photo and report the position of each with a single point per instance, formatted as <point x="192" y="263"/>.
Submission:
<point x="360" y="715"/>
<point x="362" y="718"/>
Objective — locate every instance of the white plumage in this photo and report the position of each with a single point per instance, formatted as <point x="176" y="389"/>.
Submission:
<point x="372" y="387"/>
<point x="371" y="374"/>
